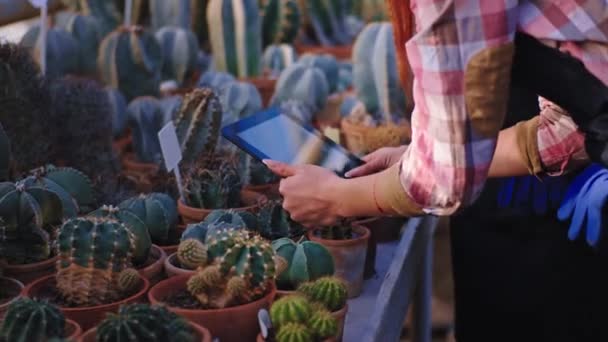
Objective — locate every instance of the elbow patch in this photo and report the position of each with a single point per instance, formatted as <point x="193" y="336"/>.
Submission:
<point x="527" y="144"/>
<point x="390" y="194"/>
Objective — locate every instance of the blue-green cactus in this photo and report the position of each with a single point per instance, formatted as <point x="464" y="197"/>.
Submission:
<point x="218" y="188"/>
<point x="130" y="59"/>
<point x="280" y="21"/>
<point x="170" y="106"/>
<point x="325" y="22"/>
<point x="215" y="80"/>
<point x="345" y="76"/>
<point x="158" y="211"/>
<point x="145" y="118"/>
<point x="32" y="320"/>
<point x="326" y="63"/>
<point x="174" y="13"/>
<point x="106" y="12"/>
<point x="239" y="219"/>
<point x="375" y="76"/>
<point x="200" y="230"/>
<point x="180" y="51"/>
<point x="277" y="58"/>
<point x="118" y="105"/>
<point x="87" y="32"/>
<point x="305" y="84"/>
<point x="235" y="34"/>
<point x="239" y="100"/>
<point x="307" y="261"/>
<point x="61" y="51"/>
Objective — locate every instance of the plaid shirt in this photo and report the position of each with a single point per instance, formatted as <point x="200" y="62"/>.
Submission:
<point x="446" y="165"/>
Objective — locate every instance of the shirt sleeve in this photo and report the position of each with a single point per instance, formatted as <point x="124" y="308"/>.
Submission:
<point x="461" y="60"/>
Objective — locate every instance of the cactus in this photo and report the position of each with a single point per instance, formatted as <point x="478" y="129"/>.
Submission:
<point x="345" y="76"/>
<point x="260" y="174"/>
<point x="236" y="218"/>
<point x="142" y="322"/>
<point x="170" y="106"/>
<point x="325" y="22"/>
<point x="323" y="324"/>
<point x="118" y="108"/>
<point x="337" y="232"/>
<point x="145" y="117"/>
<point x="302" y="83"/>
<point x="235" y="34"/>
<point x="275" y="223"/>
<point x="200" y="230"/>
<point x="280" y="21"/>
<point x="238" y="100"/>
<point x="106" y="12"/>
<point x="93" y="251"/>
<point x="198" y="124"/>
<point x="174" y="13"/>
<point x="375" y="77"/>
<point x="130" y="59"/>
<point x="370" y="10"/>
<point x="191" y="254"/>
<point x="214" y="189"/>
<point x="215" y="80"/>
<point x="307" y="261"/>
<point x="128" y="280"/>
<point x="198" y="22"/>
<point x="329" y="291"/>
<point x="180" y="50"/>
<point x="277" y="58"/>
<point x="87" y="33"/>
<point x="294" y="332"/>
<point x="61" y="51"/>
<point x="326" y="63"/>
<point x="158" y="212"/>
<point x="290" y="309"/>
<point x="299" y="110"/>
<point x="32" y="320"/>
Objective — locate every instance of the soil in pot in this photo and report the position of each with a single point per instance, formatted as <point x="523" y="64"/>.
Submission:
<point x="349" y="256"/>
<point x="11" y="289"/>
<point x="153" y="269"/>
<point x="27" y="273"/>
<point x="362" y="139"/>
<point x="86" y="317"/>
<point x="202" y="333"/>
<point x="237" y="323"/>
<point x="250" y="202"/>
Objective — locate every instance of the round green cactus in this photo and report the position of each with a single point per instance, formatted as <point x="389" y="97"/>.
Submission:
<point x="32" y="320"/>
<point x="294" y="332"/>
<point x="280" y="21"/>
<point x="215" y="80"/>
<point x="130" y="59"/>
<point x="277" y="58"/>
<point x="86" y="30"/>
<point x="180" y="51"/>
<point x="158" y="211"/>
<point x="239" y="100"/>
<point x="307" y="261"/>
<point x="191" y="254"/>
<point x="329" y="291"/>
<point x="239" y="219"/>
<point x="323" y="324"/>
<point x="306" y="84"/>
<point x="128" y="280"/>
<point x="61" y="51"/>
<point x="290" y="309"/>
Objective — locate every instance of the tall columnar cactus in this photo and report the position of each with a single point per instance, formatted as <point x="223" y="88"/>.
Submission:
<point x="106" y="12"/>
<point x="235" y="34"/>
<point x="280" y="21"/>
<point x="198" y="124"/>
<point x="130" y="59"/>
<point x="329" y="291"/>
<point x="370" y="10"/>
<point x="170" y="106"/>
<point x="277" y="58"/>
<point x="86" y="31"/>
<point x="215" y="80"/>
<point x="302" y="83"/>
<point x="375" y="77"/>
<point x="214" y="189"/>
<point x="118" y="108"/>
<point x="61" y="50"/>
<point x="174" y="13"/>
<point x="325" y="22"/>
<point x="307" y="261"/>
<point x="93" y="251"/>
<point x="32" y="320"/>
<point x="254" y="172"/>
<point x="145" y="117"/>
<point x="180" y="50"/>
<point x="198" y="22"/>
<point x="142" y="322"/>
<point x="158" y="211"/>
<point x="326" y="63"/>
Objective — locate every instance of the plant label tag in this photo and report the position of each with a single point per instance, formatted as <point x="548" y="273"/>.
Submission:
<point x="172" y="153"/>
<point x="38" y="3"/>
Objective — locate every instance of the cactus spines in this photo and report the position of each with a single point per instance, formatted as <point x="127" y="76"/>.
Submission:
<point x="180" y="52"/>
<point x="305" y="84"/>
<point x="237" y="288"/>
<point x="61" y="51"/>
<point x="157" y="211"/>
<point x="307" y="261"/>
<point x="323" y="324"/>
<point x="294" y="332"/>
<point x="198" y="124"/>
<point x="275" y="223"/>
<point x="170" y="13"/>
<point x="214" y="189"/>
<point x="330" y="291"/>
<point x="145" y="118"/>
<point x="32" y="320"/>
<point x="130" y="59"/>
<point x="191" y="254"/>
<point x="128" y="280"/>
<point x="239" y="219"/>
<point x="290" y="309"/>
<point x="235" y="34"/>
<point x="277" y="58"/>
<point x="280" y="21"/>
<point x="87" y="33"/>
<point x="118" y="108"/>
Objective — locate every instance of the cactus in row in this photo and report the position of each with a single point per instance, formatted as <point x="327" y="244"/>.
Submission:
<point x="235" y="34"/>
<point x="302" y="83"/>
<point x="345" y="76"/>
<point x="198" y="22"/>
<point x="326" y="63"/>
<point x="307" y="261"/>
<point x="191" y="254"/>
<point x="274" y="222"/>
<point x="106" y="12"/>
<point x="174" y="13"/>
<point x="238" y="100"/>
<point x="325" y="22"/>
<point x="157" y="211"/>
<point x="370" y="10"/>
<point x="118" y="108"/>
<point x="278" y="57"/>
<point x="93" y="252"/>
<point x="180" y="53"/>
<point x="143" y="322"/>
<point x="215" y="80"/>
<point x="145" y="117"/>
<point x="290" y="309"/>
<point x="62" y="51"/>
<point x="294" y="332"/>
<point x="329" y="291"/>
<point x="213" y="189"/>
<point x="298" y="319"/>
<point x="375" y="77"/>
<point x="198" y="124"/>
<point x="32" y="320"/>
<point x="86" y="31"/>
<point x="237" y="218"/>
<point x="280" y="21"/>
<point x="130" y="59"/>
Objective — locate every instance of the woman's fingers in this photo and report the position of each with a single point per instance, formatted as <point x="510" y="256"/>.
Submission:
<point x="365" y="169"/>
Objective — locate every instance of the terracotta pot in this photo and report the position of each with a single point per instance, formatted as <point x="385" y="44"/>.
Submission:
<point x="271" y="191"/>
<point x="203" y="334"/>
<point x="265" y="86"/>
<point x="179" y="230"/>
<point x="250" y="199"/>
<point x="155" y="270"/>
<point x="172" y="267"/>
<point x="361" y="139"/>
<point x="349" y="257"/>
<point x="122" y="144"/>
<point x="340" y="317"/>
<point x="13" y="288"/>
<point x="342" y="52"/>
<point x="72" y="330"/>
<point x="238" y="323"/>
<point x="87" y="317"/>
<point x="30" y="272"/>
<point x="140" y="173"/>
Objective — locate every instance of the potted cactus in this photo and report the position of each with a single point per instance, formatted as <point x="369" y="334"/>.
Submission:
<point x="348" y="247"/>
<point x="257" y="177"/>
<point x="380" y="117"/>
<point x="143" y="322"/>
<point x="94" y="274"/>
<point x="10" y="290"/>
<point x="62" y="51"/>
<point x="316" y="312"/>
<point x="180" y="50"/>
<point x="227" y="291"/>
<point x="276" y="58"/>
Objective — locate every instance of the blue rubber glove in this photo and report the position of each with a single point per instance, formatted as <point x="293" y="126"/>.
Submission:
<point x="584" y="202"/>
<point x="528" y="193"/>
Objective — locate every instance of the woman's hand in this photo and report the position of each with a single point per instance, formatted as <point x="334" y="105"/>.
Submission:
<point x="377" y="161"/>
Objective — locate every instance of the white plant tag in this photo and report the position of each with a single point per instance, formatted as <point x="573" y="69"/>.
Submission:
<point x="172" y="153"/>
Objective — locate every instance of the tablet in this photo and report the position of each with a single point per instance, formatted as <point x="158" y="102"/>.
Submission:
<point x="272" y="134"/>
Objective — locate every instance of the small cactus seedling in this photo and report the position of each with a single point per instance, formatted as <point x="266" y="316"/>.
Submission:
<point x="329" y="291"/>
<point x="32" y="320"/>
<point x="305" y="84"/>
<point x="214" y="189"/>
<point x="337" y="232"/>
<point x="128" y="280"/>
<point x="180" y="51"/>
<point x="277" y="58"/>
<point x="280" y="21"/>
<point x="307" y="261"/>
<point x="61" y="51"/>
<point x="192" y="254"/>
<point x="158" y="211"/>
<point x="290" y="309"/>
<point x="323" y="324"/>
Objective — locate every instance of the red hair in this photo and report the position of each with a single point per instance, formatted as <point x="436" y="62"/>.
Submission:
<point x="403" y="28"/>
